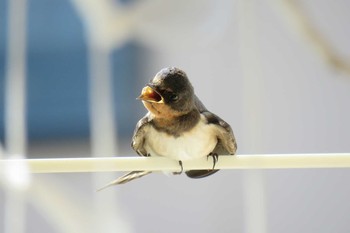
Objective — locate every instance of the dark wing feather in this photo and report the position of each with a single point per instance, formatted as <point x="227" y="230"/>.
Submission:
<point x="226" y="139"/>
<point x="138" y="138"/>
<point x="137" y="142"/>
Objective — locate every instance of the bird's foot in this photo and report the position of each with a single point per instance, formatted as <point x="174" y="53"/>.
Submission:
<point x="182" y="169"/>
<point x="215" y="157"/>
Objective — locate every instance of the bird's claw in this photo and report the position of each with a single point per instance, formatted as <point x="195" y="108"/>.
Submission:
<point x="182" y="169"/>
<point x="215" y="157"/>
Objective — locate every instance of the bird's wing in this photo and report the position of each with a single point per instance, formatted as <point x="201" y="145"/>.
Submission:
<point x="137" y="144"/>
<point x="226" y="143"/>
<point x="226" y="139"/>
<point x="138" y="138"/>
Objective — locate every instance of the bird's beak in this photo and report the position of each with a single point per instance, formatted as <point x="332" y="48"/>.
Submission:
<point x="148" y="94"/>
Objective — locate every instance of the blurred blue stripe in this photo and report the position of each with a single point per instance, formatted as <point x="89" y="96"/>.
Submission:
<point x="57" y="91"/>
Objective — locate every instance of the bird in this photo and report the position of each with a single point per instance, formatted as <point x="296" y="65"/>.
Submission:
<point x="178" y="126"/>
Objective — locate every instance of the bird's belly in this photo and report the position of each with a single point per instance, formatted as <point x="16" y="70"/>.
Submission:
<point x="196" y="143"/>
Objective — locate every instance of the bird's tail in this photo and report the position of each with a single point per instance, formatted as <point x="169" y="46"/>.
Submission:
<point x="126" y="178"/>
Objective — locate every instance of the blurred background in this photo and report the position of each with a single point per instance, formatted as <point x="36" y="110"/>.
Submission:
<point x="278" y="71"/>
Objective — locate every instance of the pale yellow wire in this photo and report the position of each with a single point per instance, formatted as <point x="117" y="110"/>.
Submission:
<point x="105" y="164"/>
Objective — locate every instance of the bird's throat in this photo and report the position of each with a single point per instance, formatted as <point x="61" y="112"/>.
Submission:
<point x="177" y="125"/>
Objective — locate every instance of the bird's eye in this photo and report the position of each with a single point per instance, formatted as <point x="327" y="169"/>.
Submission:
<point x="173" y="97"/>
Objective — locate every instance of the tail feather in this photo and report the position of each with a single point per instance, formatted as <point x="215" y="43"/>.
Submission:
<point x="126" y="178"/>
<point x="200" y="173"/>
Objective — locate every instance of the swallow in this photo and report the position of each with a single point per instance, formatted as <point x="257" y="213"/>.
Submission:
<point x="178" y="126"/>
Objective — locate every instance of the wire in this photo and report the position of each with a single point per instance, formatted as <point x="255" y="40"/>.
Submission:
<point x="105" y="164"/>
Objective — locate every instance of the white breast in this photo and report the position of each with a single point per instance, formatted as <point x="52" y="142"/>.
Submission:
<point x="196" y="143"/>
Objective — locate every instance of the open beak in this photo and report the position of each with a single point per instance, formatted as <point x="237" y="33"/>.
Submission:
<point x="148" y="94"/>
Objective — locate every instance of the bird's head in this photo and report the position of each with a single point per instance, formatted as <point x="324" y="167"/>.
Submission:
<point x="170" y="90"/>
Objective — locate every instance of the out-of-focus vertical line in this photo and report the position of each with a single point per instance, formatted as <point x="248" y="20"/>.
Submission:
<point x="1" y="152"/>
<point x="103" y="128"/>
<point x="103" y="135"/>
<point x="103" y="33"/>
<point x="253" y="180"/>
<point x="15" y="93"/>
<point x="15" y="113"/>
